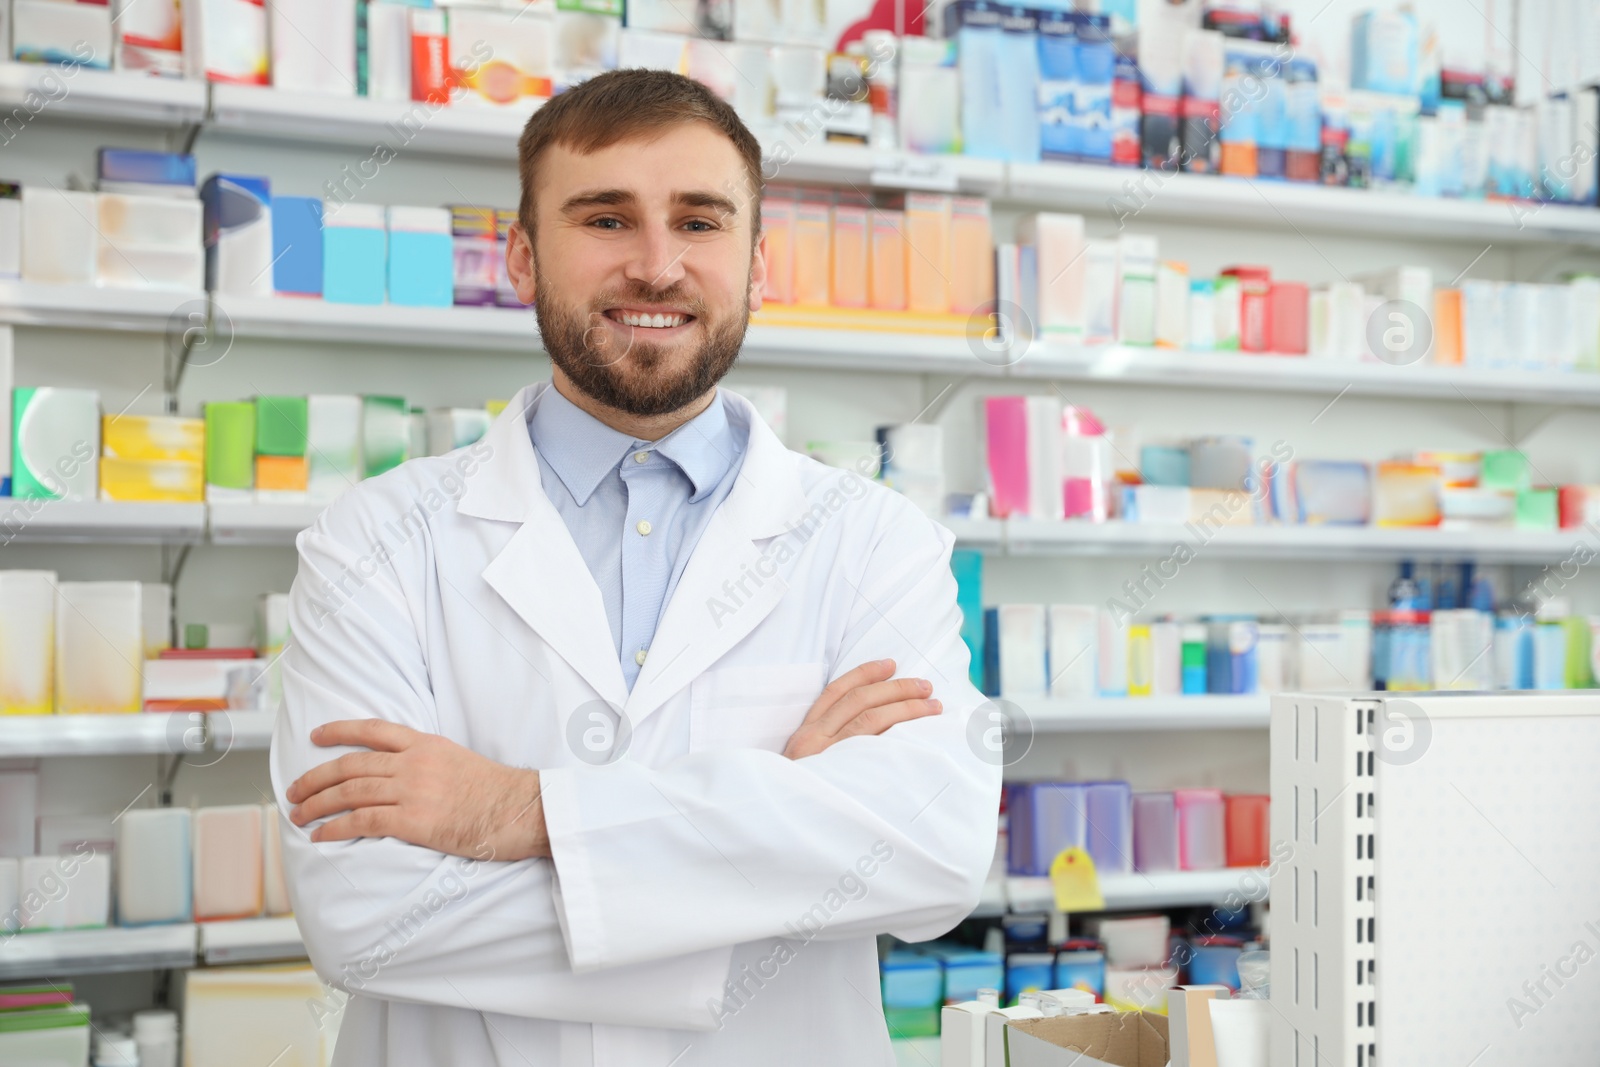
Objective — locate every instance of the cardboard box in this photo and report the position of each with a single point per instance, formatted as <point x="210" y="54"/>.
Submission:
<point x="1189" y="1024"/>
<point x="1112" y="1039"/>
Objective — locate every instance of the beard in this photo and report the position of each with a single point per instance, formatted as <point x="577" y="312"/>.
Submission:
<point x="636" y="376"/>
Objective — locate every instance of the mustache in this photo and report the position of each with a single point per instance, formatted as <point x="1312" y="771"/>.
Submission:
<point x="640" y="293"/>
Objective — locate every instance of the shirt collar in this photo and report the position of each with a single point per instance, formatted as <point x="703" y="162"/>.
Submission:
<point x="582" y="450"/>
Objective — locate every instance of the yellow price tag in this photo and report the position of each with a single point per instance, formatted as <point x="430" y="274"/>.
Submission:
<point x="1076" y="884"/>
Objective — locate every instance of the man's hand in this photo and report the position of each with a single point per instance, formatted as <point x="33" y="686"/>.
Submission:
<point x="420" y="788"/>
<point x="861" y="701"/>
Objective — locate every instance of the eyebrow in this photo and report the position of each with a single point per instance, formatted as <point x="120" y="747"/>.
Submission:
<point x="622" y="197"/>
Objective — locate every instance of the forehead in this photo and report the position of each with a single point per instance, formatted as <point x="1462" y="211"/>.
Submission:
<point x="655" y="168"/>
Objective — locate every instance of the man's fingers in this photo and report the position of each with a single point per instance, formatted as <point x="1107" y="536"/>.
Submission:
<point x="364" y="822"/>
<point x="380" y="735"/>
<point x="875" y="721"/>
<point x="346" y="796"/>
<point x="326" y="775"/>
<point x="864" y="698"/>
<point x="875" y="671"/>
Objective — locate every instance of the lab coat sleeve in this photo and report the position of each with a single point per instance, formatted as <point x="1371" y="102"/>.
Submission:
<point x="887" y="834"/>
<point x="388" y="919"/>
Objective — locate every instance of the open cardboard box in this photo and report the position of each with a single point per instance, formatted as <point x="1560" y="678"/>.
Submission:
<point x="1114" y="1039"/>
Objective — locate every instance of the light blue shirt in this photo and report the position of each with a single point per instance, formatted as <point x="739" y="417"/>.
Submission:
<point x="635" y="508"/>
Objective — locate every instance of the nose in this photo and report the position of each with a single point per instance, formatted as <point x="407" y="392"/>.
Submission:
<point x="658" y="256"/>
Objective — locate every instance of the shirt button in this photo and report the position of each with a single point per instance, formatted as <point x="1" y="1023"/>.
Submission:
<point x="638" y="657"/>
<point x="640" y="457"/>
<point x="643" y="527"/>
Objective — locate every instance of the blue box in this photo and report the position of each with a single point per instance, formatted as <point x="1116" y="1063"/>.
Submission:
<point x="968" y="970"/>
<point x="1108" y="808"/>
<point x="1164" y="465"/>
<point x="422" y="266"/>
<point x="1092" y="97"/>
<point x="975" y="27"/>
<point x="967" y="566"/>
<point x="1385" y="51"/>
<point x="1019" y="84"/>
<point x="911" y="980"/>
<point x="149" y="168"/>
<point x="1029" y="972"/>
<point x="297" y="245"/>
<point x="1215" y="961"/>
<point x="1060" y="137"/>
<point x="353" y="254"/>
<point x="1043" y="819"/>
<point x="1081" y="965"/>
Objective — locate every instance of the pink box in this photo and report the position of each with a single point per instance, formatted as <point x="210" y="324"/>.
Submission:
<point x="1288" y="303"/>
<point x="1201" y="837"/>
<point x="1006" y="430"/>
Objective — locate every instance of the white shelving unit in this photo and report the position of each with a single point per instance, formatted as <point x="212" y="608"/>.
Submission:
<point x="1120" y="193"/>
<point x="259" y="524"/>
<point x="240" y="731"/>
<point x="251" y="940"/>
<point x="102" y="95"/>
<point x="100" y="522"/>
<point x="138" y="734"/>
<point x="1166" y="889"/>
<point x="93" y="307"/>
<point x="61" y="953"/>
<point x="1137" y="714"/>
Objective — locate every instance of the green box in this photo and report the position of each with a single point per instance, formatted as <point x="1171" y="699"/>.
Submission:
<point x="594" y="7"/>
<point x="1504" y="468"/>
<point x="196" y="635"/>
<point x="912" y="1022"/>
<point x="231" y="444"/>
<point x="281" y="425"/>
<point x="385" y="433"/>
<point x="1538" y="509"/>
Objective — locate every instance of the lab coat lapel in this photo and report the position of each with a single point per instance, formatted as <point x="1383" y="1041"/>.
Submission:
<point x="540" y="573"/>
<point x="724" y="591"/>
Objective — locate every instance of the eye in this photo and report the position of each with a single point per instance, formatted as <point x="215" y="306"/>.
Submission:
<point x="607" y="223"/>
<point x="700" y="226"/>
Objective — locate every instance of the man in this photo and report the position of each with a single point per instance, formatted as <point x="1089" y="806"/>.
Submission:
<point x="572" y="781"/>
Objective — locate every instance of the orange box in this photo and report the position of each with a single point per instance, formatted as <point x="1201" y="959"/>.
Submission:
<point x="888" y="277"/>
<point x="1239" y="160"/>
<point x="1447" y="326"/>
<point x="927" y="233"/>
<point x="850" y="258"/>
<point x="285" y="473"/>
<point x="777" y="228"/>
<point x="813" y="253"/>
<point x="971" y="255"/>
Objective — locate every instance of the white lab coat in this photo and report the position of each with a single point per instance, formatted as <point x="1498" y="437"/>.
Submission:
<point x="707" y="898"/>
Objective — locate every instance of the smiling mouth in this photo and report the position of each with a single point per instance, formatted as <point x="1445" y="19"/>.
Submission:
<point x="649" y="320"/>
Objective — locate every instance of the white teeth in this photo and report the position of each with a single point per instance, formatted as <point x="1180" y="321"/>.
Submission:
<point x="652" y="321"/>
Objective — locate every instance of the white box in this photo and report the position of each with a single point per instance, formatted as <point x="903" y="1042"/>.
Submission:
<point x="1383" y="808"/>
<point x="225" y="41"/>
<point x="149" y="37"/>
<point x="10" y="901"/>
<point x="275" y="890"/>
<point x="149" y="242"/>
<point x="99" y="647"/>
<point x="1166" y="644"/>
<point x="388" y="51"/>
<point x="1046" y="490"/>
<point x="1112" y="670"/>
<point x="87" y="904"/>
<point x="43" y="890"/>
<point x="1074" y="650"/>
<point x="47" y="31"/>
<point x="524" y="40"/>
<point x="11" y="237"/>
<point x="153" y="866"/>
<point x="333" y="444"/>
<point x="1584" y="300"/>
<point x="155" y="602"/>
<point x="313" y="46"/>
<point x="1100" y="274"/>
<point x="1062" y="265"/>
<point x="1483" y="323"/>
<point x="1138" y="942"/>
<point x="19" y="805"/>
<point x="27" y="644"/>
<point x="1022" y="651"/>
<point x="58" y="238"/>
<point x="228" y="855"/>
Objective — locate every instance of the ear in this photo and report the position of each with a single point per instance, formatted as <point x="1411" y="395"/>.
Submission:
<point x="519" y="263"/>
<point x="758" y="273"/>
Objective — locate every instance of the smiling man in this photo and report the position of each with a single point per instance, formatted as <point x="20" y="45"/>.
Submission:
<point x="617" y="738"/>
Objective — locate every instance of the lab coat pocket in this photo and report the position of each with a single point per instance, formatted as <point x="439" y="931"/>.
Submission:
<point x="752" y="707"/>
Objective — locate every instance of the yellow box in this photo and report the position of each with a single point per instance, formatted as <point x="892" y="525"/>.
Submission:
<point x="888" y="260"/>
<point x="153" y="437"/>
<point x="927" y="252"/>
<point x="168" y="481"/>
<point x="850" y="251"/>
<point x="813" y="251"/>
<point x="285" y="473"/>
<point x="971" y="255"/>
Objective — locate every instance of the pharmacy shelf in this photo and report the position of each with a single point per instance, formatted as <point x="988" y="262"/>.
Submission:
<point x="447" y="328"/>
<point x="98" y="95"/>
<point x="251" y="941"/>
<point x="398" y="126"/>
<point x="864" y="169"/>
<point x="92" y="307"/>
<point x="1146" y="713"/>
<point x="259" y="524"/>
<point x="1129" y="196"/>
<point x="32" y="736"/>
<point x="1169" y="889"/>
<point x="239" y="731"/>
<point x="1344" y="543"/>
<point x="100" y="522"/>
<point x="52" y="954"/>
<point x="1329" y="378"/>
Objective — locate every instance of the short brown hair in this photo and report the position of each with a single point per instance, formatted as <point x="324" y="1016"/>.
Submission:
<point x="623" y="104"/>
